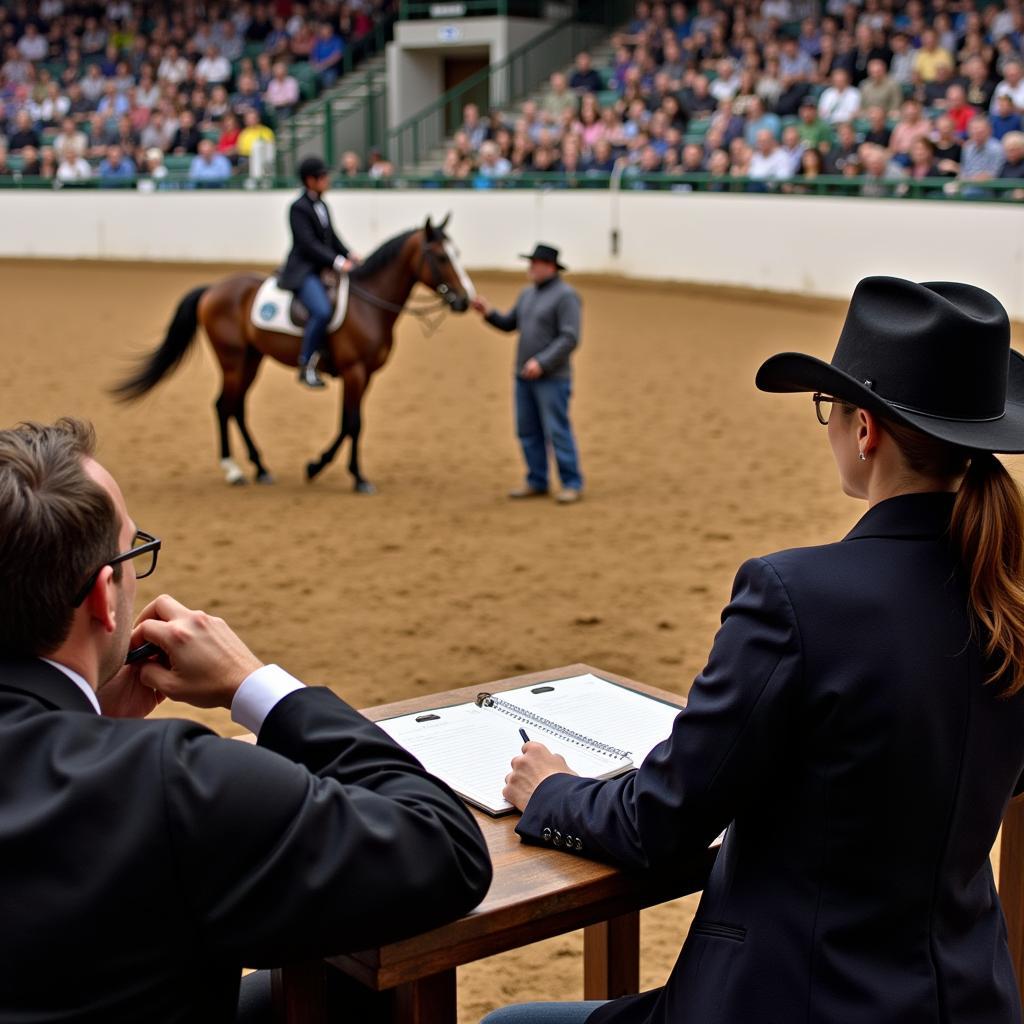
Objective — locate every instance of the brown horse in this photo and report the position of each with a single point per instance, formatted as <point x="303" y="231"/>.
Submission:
<point x="378" y="292"/>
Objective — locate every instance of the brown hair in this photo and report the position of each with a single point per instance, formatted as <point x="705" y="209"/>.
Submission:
<point x="988" y="531"/>
<point x="57" y="525"/>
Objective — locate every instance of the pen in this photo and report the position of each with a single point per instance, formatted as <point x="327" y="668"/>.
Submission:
<point x="522" y="732"/>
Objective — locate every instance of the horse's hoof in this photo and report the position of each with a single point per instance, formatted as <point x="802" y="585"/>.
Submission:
<point x="313" y="470"/>
<point x="364" y="487"/>
<point x="265" y="478"/>
<point x="238" y="481"/>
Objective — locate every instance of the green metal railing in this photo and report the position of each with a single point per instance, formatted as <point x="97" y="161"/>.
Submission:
<point x="496" y="86"/>
<point x="933" y="189"/>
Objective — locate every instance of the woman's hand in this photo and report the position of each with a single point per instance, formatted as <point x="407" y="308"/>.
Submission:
<point x="529" y="770"/>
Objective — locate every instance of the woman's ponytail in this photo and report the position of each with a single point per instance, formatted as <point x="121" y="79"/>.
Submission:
<point x="988" y="529"/>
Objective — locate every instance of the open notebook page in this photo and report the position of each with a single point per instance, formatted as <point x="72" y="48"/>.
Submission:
<point x="471" y="749"/>
<point x="600" y="710"/>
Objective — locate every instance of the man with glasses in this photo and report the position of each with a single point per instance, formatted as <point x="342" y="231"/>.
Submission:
<point x="146" y="862"/>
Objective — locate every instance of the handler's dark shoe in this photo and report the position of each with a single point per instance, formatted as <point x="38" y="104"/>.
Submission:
<point x="568" y="496"/>
<point x="526" y="492"/>
<point x="309" y="377"/>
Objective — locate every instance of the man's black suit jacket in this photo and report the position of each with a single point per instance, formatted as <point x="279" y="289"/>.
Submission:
<point x="314" y="244"/>
<point x="143" y="863"/>
<point x="843" y="730"/>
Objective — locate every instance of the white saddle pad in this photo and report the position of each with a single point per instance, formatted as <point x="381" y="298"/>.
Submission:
<point x="272" y="308"/>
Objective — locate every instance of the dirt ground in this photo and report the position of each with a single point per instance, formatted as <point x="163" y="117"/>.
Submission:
<point x="438" y="580"/>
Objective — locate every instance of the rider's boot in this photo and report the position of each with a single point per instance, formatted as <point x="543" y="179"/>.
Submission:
<point x="308" y="373"/>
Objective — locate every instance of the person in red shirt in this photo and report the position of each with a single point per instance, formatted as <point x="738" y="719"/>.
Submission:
<point x="228" y="141"/>
<point x="959" y="109"/>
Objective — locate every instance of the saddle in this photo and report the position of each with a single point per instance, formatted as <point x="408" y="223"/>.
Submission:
<point x="331" y="280"/>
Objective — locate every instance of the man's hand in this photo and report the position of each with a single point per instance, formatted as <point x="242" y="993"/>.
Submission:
<point x="352" y="261"/>
<point x="125" y="696"/>
<point x="532" y="370"/>
<point x="205" y="663"/>
<point x="529" y="770"/>
<point x="481" y="305"/>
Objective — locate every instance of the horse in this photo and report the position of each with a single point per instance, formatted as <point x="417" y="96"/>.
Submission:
<point x="378" y="291"/>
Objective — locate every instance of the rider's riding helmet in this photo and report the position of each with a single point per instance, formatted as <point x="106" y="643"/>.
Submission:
<point x="312" y="167"/>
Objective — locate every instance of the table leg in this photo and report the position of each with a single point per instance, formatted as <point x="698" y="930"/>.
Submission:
<point x="1011" y="884"/>
<point x="300" y="993"/>
<point x="611" y="958"/>
<point x="429" y="1000"/>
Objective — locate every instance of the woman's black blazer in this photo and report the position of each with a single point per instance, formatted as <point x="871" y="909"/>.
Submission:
<point x="844" y="732"/>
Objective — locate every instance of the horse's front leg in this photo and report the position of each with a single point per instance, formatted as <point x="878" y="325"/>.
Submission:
<point x="354" y="378"/>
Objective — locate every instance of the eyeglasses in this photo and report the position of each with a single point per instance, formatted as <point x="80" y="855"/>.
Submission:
<point x="823" y="406"/>
<point x="144" y="547"/>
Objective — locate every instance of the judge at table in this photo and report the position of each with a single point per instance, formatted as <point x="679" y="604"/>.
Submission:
<point x="859" y="725"/>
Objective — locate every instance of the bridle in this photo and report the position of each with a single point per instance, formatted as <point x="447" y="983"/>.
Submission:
<point x="430" y="314"/>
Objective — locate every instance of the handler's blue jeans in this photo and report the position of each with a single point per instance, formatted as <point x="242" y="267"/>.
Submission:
<point x="542" y="420"/>
<point x="544" y="1013"/>
<point x="313" y="296"/>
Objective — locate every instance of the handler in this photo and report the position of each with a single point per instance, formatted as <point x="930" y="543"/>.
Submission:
<point x="547" y="316"/>
<point x="315" y="247"/>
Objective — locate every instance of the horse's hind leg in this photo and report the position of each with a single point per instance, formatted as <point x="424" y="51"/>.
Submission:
<point x="253" y="358"/>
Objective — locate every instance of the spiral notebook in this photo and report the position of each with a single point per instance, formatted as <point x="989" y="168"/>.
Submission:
<point x="602" y="730"/>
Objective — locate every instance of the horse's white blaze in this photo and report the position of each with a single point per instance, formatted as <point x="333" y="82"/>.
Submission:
<point x="467" y="284"/>
<point x="232" y="471"/>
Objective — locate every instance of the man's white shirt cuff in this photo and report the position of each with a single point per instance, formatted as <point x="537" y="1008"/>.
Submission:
<point x="259" y="694"/>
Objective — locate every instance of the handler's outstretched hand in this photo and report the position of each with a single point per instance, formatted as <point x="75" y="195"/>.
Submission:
<point x="481" y="305"/>
<point x="204" y="661"/>
<point x="529" y="770"/>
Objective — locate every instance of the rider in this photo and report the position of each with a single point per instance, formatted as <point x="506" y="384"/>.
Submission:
<point x="315" y="247"/>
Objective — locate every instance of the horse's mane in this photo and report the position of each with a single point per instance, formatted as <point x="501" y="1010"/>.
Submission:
<point x="384" y="254"/>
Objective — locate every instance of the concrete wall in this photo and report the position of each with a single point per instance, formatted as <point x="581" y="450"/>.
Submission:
<point x="415" y="59"/>
<point x="812" y="246"/>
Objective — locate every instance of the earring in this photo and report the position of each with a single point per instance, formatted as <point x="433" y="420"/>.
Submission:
<point x="862" y="457"/>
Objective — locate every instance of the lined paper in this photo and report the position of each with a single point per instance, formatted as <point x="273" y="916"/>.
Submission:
<point x="471" y="749"/>
<point x="601" y="710"/>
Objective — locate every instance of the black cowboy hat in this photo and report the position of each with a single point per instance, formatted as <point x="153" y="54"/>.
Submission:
<point x="935" y="356"/>
<point x="312" y="167"/>
<point x="543" y="253"/>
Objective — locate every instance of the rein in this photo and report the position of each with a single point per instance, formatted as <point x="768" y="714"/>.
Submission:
<point x="430" y="314"/>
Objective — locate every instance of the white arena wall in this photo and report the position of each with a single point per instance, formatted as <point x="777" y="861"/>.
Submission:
<point x="805" y="245"/>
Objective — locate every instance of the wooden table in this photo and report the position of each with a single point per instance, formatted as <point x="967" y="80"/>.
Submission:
<point x="536" y="893"/>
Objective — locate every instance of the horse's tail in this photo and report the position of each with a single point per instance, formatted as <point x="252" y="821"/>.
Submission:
<point x="180" y="334"/>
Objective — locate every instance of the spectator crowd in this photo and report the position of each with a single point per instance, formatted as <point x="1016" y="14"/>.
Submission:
<point x="118" y="90"/>
<point x="761" y="94"/>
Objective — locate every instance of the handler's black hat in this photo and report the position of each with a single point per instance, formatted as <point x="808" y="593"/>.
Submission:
<point x="312" y="167"/>
<point x="935" y="356"/>
<point x="544" y="253"/>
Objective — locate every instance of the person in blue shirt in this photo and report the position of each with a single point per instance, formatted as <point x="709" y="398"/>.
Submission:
<point x="209" y="167"/>
<point x="115" y="167"/>
<point x="326" y="55"/>
<point x="1005" y="119"/>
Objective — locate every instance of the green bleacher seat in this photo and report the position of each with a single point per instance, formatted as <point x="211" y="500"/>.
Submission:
<point x="253" y="50"/>
<point x="46" y="138"/>
<point x="698" y="126"/>
<point x="306" y="77"/>
<point x="607" y="97"/>
<point x="213" y="134"/>
<point x="175" y="162"/>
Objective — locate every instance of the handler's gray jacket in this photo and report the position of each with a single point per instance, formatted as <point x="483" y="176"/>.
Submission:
<point x="548" y="319"/>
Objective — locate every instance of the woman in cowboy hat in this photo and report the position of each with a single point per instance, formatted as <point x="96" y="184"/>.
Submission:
<point x="859" y="726"/>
